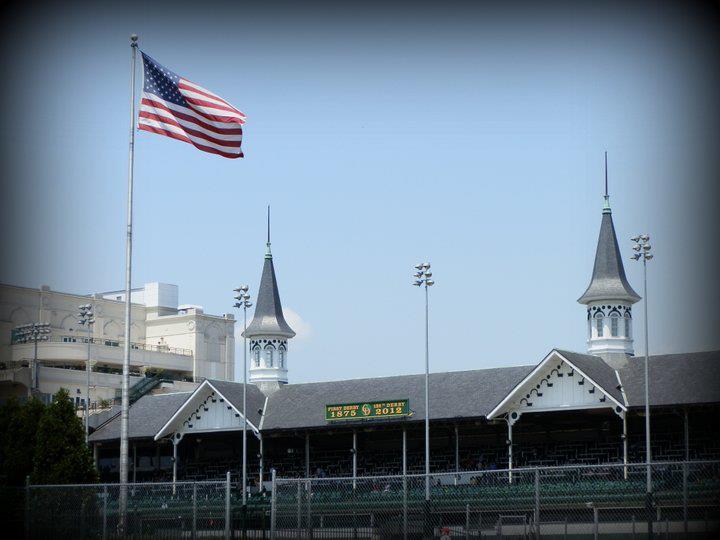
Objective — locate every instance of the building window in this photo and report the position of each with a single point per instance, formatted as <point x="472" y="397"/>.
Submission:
<point x="268" y="358"/>
<point x="627" y="325"/>
<point x="281" y="358"/>
<point x="257" y="357"/>
<point x="614" y="325"/>
<point x="599" y="324"/>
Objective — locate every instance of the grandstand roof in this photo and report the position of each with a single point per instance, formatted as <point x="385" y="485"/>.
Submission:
<point x="452" y="395"/>
<point x="608" y="279"/>
<point x="146" y="416"/>
<point x="675" y="379"/>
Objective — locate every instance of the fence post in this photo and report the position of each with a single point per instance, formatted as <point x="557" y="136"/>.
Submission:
<point x="273" y="504"/>
<point x="227" y="505"/>
<point x="104" y="515"/>
<point x="596" y="531"/>
<point x="467" y="521"/>
<point x="685" y="498"/>
<point x="405" y="509"/>
<point x="298" y="523"/>
<point x="194" y="511"/>
<point x="308" y="494"/>
<point x="537" y="504"/>
<point x="27" y="507"/>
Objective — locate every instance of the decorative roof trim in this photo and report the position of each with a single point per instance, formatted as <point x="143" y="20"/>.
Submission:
<point x="498" y="408"/>
<point x="164" y="431"/>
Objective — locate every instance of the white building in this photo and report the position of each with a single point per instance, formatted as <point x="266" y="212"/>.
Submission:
<point x="179" y="342"/>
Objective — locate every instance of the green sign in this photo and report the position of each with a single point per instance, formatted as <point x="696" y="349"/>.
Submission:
<point x="370" y="409"/>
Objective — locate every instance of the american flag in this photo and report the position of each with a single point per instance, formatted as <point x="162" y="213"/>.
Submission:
<point x="177" y="108"/>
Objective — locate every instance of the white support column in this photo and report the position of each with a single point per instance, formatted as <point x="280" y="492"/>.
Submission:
<point x="510" y="450"/>
<point x="457" y="449"/>
<point x="686" y="425"/>
<point x="175" y="442"/>
<point x="404" y="451"/>
<point x="354" y="456"/>
<point x="307" y="455"/>
<point x="262" y="463"/>
<point x="625" y="446"/>
<point x="95" y="455"/>
<point x="134" y="463"/>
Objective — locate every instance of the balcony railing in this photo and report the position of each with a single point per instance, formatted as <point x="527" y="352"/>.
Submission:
<point x="59" y="338"/>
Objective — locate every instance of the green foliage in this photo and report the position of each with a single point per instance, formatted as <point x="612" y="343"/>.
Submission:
<point x="18" y="436"/>
<point x="61" y="456"/>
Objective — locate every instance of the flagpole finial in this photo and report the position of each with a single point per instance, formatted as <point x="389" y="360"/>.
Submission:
<point x="133" y="40"/>
<point x="268" y="253"/>
<point x="606" y="207"/>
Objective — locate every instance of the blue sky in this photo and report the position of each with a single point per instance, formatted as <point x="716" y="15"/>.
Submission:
<point x="467" y="136"/>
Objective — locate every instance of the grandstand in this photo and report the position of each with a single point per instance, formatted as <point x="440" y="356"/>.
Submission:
<point x="566" y="409"/>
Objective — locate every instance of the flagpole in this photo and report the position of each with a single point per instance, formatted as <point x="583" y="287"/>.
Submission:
<point x="125" y="406"/>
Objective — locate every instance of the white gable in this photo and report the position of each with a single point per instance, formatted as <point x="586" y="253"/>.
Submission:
<point x="206" y="410"/>
<point x="555" y="385"/>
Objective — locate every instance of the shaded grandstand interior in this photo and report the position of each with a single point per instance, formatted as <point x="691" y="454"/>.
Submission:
<point x="540" y="439"/>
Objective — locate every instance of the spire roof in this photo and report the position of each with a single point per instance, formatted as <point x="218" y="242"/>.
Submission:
<point x="268" y="319"/>
<point x="608" y="280"/>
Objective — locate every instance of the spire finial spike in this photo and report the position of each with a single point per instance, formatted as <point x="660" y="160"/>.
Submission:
<point x="268" y="253"/>
<point x="606" y="207"/>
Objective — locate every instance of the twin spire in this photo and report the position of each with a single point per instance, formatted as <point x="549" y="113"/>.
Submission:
<point x="608" y="279"/>
<point x="268" y="319"/>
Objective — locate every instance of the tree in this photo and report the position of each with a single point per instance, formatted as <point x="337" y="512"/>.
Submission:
<point x="61" y="455"/>
<point x="18" y="435"/>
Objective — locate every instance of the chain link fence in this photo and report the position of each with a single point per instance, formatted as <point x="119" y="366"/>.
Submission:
<point x="154" y="510"/>
<point x="557" y="502"/>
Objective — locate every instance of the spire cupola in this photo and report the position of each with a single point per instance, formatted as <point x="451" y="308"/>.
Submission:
<point x="609" y="297"/>
<point x="268" y="332"/>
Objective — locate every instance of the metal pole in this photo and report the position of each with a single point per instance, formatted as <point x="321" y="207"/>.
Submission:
<point x="537" y="504"/>
<point x="648" y="448"/>
<point x="687" y="435"/>
<point x="125" y="407"/>
<point x="299" y="508"/>
<point x="262" y="463"/>
<point x="354" y="461"/>
<point x="194" y="511"/>
<point x="87" y="395"/>
<point x="27" y="507"/>
<point x="510" y="451"/>
<point x="625" y="446"/>
<point x="307" y="455"/>
<point x="244" y="431"/>
<point x="404" y="472"/>
<point x="685" y="498"/>
<point x="595" y="523"/>
<point x="273" y="504"/>
<point x="175" y="458"/>
<point x="427" y="399"/>
<point x="104" y="517"/>
<point x="227" y="505"/>
<point x="33" y="374"/>
<point x="457" y="451"/>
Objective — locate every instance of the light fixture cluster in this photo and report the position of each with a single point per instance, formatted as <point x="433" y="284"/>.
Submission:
<point x="642" y="247"/>
<point x="423" y="275"/>
<point x="242" y="297"/>
<point x="33" y="332"/>
<point x="87" y="316"/>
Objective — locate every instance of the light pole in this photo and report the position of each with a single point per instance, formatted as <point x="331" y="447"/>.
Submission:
<point x="87" y="319"/>
<point x="423" y="278"/>
<point x="242" y="300"/>
<point x="642" y="247"/>
<point x="25" y="334"/>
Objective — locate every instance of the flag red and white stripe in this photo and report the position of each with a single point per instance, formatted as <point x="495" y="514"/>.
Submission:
<point x="180" y="109"/>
